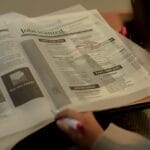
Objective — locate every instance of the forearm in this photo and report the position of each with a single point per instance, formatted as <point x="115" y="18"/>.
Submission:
<point x="120" y="139"/>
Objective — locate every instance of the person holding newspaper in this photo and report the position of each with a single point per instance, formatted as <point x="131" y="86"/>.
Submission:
<point x="85" y="131"/>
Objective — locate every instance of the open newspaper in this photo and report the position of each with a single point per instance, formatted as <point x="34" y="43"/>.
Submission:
<point x="53" y="62"/>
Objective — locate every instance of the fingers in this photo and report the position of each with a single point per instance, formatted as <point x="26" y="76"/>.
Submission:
<point x="68" y="113"/>
<point x="92" y="129"/>
<point x="69" y="131"/>
<point x="63" y="126"/>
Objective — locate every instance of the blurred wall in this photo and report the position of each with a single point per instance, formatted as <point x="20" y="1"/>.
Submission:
<point x="40" y="7"/>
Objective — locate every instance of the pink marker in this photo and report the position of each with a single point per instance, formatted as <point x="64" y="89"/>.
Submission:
<point x="73" y="124"/>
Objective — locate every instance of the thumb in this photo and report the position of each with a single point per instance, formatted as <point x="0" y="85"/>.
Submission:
<point x="63" y="126"/>
<point x="74" y="135"/>
<point x="66" y="128"/>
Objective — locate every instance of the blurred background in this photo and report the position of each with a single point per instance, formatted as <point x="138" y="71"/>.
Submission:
<point x="40" y="7"/>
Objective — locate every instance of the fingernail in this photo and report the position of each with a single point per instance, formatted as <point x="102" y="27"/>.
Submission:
<point x="81" y="128"/>
<point x="56" y="119"/>
<point x="58" y="122"/>
<point x="57" y="111"/>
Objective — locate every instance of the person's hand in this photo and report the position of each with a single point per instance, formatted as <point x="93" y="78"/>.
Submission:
<point x="92" y="130"/>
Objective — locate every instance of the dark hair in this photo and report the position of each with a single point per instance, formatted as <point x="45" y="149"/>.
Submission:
<point x="141" y="20"/>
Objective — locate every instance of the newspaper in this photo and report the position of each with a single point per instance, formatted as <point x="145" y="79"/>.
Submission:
<point x="74" y="60"/>
<point x="8" y="142"/>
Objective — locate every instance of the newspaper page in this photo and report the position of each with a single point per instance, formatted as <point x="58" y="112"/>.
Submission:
<point x="8" y="142"/>
<point x="21" y="90"/>
<point x="21" y="94"/>
<point x="86" y="56"/>
<point x="49" y="42"/>
<point x="84" y="59"/>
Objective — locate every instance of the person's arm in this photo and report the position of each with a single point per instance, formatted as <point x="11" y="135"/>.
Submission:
<point x="94" y="137"/>
<point x="117" y="138"/>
